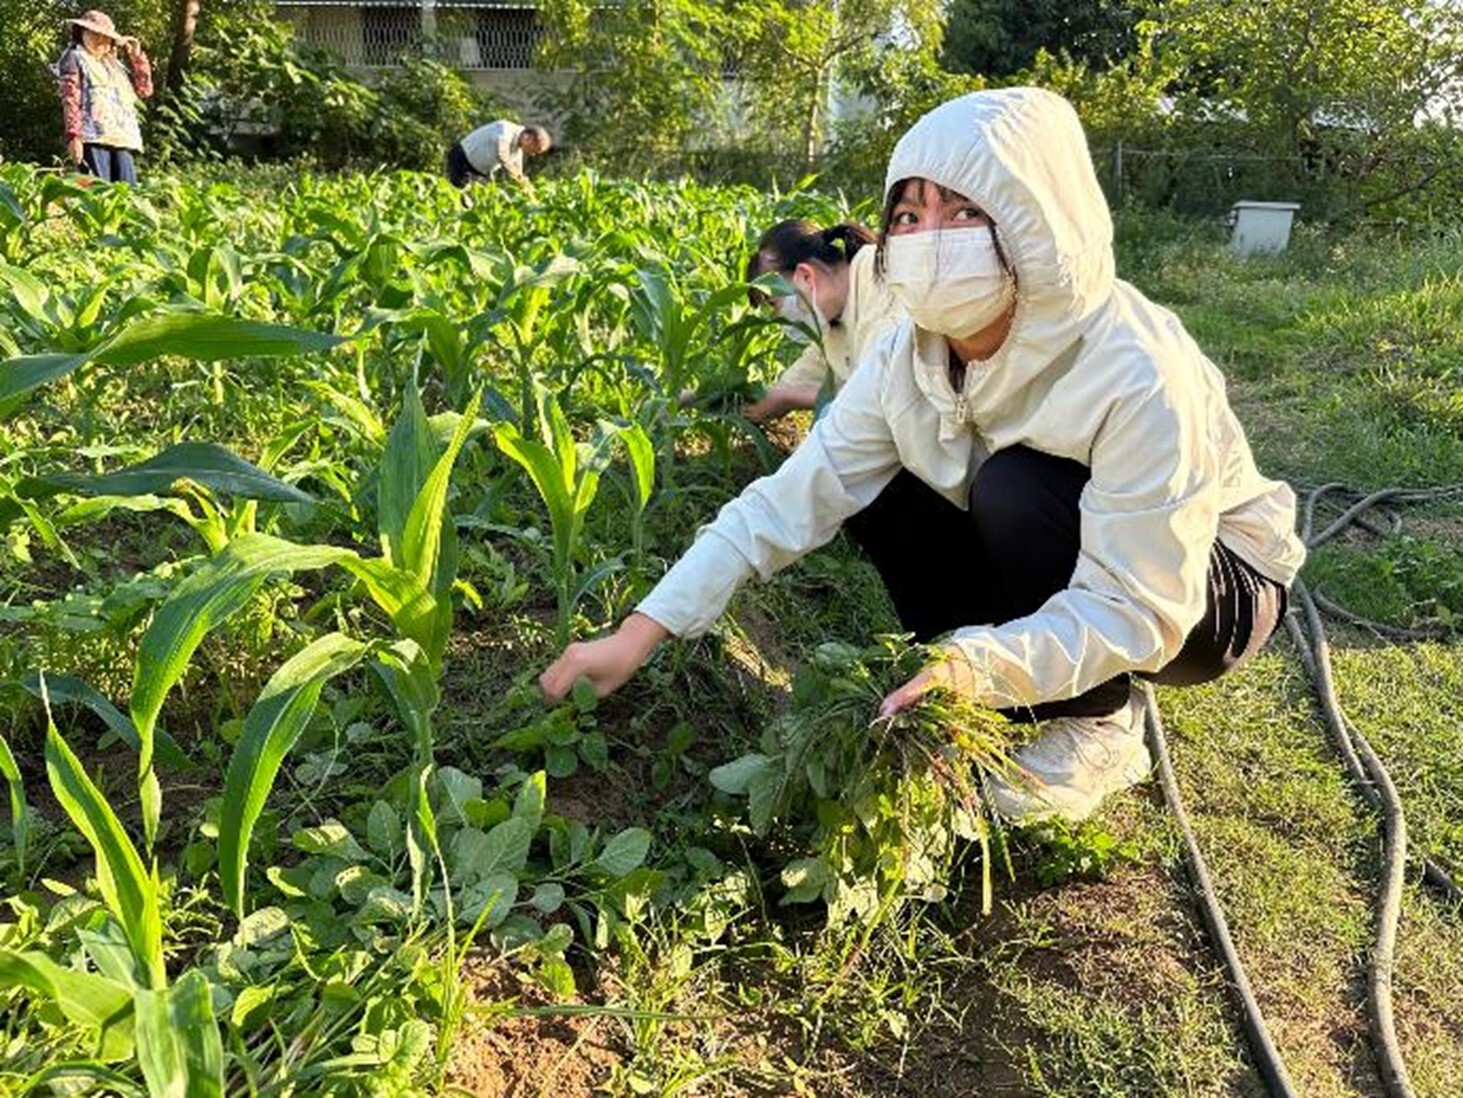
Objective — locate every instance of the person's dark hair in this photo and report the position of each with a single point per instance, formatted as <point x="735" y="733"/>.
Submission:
<point x="896" y="194"/>
<point x="75" y="35"/>
<point x="541" y="136"/>
<point x="797" y="240"/>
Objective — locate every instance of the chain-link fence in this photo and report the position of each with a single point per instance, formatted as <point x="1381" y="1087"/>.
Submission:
<point x="473" y="35"/>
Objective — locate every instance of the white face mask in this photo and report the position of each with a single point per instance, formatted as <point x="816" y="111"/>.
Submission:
<point x="950" y="281"/>
<point x="801" y="308"/>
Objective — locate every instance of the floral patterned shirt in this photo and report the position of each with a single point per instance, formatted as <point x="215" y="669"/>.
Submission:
<point x="99" y="97"/>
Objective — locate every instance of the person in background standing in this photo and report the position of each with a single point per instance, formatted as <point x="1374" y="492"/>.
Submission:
<point x="99" y="97"/>
<point x="498" y="146"/>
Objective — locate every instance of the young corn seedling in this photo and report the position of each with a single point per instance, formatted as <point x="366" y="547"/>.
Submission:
<point x="566" y="474"/>
<point x="411" y="582"/>
<point x="126" y="998"/>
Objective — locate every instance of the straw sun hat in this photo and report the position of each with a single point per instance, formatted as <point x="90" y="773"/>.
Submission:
<point x="98" y="21"/>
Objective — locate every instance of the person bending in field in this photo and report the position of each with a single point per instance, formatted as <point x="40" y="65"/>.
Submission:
<point x="99" y="97"/>
<point x="839" y="294"/>
<point x="1070" y="500"/>
<point x="499" y="146"/>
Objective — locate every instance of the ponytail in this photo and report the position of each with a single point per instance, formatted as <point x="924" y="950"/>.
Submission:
<point x="789" y="243"/>
<point x="847" y="237"/>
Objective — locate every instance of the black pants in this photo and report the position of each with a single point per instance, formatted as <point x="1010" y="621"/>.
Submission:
<point x="1016" y="547"/>
<point x="459" y="169"/>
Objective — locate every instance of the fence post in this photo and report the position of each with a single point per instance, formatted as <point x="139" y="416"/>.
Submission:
<point x="1117" y="172"/>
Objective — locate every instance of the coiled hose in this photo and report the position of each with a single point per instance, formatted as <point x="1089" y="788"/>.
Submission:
<point x="1371" y="779"/>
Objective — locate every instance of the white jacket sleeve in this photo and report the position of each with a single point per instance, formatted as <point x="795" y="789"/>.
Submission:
<point x="1149" y="517"/>
<point x="840" y="468"/>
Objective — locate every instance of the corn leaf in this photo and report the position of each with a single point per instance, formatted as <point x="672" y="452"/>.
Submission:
<point x="547" y="475"/>
<point x="642" y="462"/>
<point x="206" y="599"/>
<point x="81" y="1077"/>
<point x="554" y="429"/>
<point x="85" y="998"/>
<point x="203" y="337"/>
<point x="411" y="452"/>
<point x="18" y="376"/>
<point x="129" y="891"/>
<point x="19" y="811"/>
<point x="358" y="415"/>
<point x="178" y="1045"/>
<point x="204" y="463"/>
<point x="67" y="689"/>
<point x="429" y="539"/>
<point x="203" y="601"/>
<point x="271" y="729"/>
<point x="207" y="337"/>
<point x="28" y="291"/>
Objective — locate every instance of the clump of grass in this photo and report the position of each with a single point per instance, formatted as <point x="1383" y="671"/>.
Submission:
<point x="874" y="810"/>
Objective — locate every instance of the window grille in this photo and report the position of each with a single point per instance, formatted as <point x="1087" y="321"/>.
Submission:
<point x="467" y="34"/>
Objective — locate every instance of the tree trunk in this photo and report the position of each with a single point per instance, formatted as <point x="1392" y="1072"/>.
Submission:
<point x="810" y="129"/>
<point x="817" y="106"/>
<point x="185" y="23"/>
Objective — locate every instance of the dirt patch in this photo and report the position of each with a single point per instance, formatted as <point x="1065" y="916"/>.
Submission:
<point x="501" y="1052"/>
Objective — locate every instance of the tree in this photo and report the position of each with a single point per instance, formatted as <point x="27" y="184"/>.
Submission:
<point x="1338" y="88"/>
<point x="185" y="26"/>
<point x="793" y="56"/>
<point x="996" y="38"/>
<point x="647" y="76"/>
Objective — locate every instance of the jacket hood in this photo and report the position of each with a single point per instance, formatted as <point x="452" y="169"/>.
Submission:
<point x="1021" y="155"/>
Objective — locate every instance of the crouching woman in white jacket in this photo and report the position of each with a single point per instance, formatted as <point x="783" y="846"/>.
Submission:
<point x="1065" y="495"/>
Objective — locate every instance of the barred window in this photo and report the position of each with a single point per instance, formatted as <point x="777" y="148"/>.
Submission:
<point x="468" y="34"/>
<point x="388" y="32"/>
<point x="506" y="37"/>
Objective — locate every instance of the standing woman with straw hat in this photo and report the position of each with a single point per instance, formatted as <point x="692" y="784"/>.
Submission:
<point x="99" y="97"/>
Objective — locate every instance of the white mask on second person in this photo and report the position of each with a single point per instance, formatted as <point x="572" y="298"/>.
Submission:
<point x="950" y="281"/>
<point x="796" y="308"/>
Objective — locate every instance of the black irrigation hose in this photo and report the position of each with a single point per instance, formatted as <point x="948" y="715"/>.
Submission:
<point x="1371" y="778"/>
<point x="1336" y="610"/>
<point x="1267" y="1057"/>
<point x="1433" y="875"/>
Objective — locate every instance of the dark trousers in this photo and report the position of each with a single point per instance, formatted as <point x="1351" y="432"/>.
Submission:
<point x="1016" y="547"/>
<point x="113" y="165"/>
<point x="459" y="169"/>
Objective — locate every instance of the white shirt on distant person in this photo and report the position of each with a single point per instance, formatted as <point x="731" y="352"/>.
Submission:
<point x="494" y="146"/>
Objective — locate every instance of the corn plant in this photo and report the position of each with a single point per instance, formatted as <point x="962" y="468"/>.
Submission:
<point x="521" y="302"/>
<point x="411" y="582"/>
<point x="128" y="1001"/>
<point x="678" y="329"/>
<point x="566" y="474"/>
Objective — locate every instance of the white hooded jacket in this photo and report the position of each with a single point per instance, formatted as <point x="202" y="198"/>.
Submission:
<point x="1091" y="371"/>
